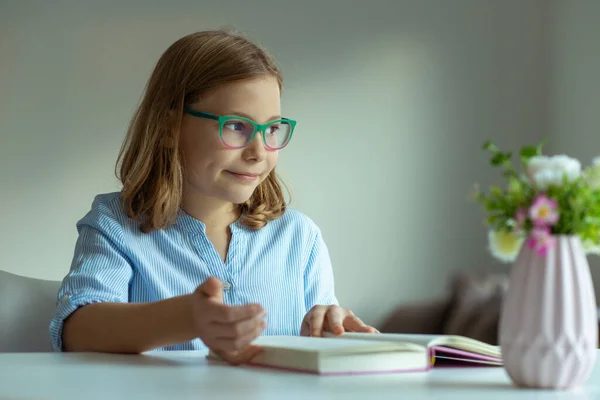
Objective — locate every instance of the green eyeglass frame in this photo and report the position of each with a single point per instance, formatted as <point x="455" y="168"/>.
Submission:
<point x="222" y="119"/>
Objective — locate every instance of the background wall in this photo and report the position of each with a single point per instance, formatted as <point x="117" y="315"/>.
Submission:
<point x="394" y="99"/>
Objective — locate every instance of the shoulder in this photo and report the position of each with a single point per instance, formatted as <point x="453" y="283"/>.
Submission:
<point x="106" y="214"/>
<point x="294" y="223"/>
<point x="296" y="217"/>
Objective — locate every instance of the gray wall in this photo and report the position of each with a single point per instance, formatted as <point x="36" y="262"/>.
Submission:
<point x="394" y="99"/>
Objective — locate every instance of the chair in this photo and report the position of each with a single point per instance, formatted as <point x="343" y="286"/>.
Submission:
<point x="26" y="307"/>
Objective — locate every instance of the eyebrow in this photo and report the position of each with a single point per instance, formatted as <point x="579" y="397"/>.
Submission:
<point x="241" y="114"/>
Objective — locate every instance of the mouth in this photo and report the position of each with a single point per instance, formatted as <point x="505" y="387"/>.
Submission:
<point x="244" y="176"/>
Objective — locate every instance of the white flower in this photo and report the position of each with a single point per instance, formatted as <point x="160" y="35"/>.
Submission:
<point x="546" y="171"/>
<point x="569" y="165"/>
<point x="590" y="247"/>
<point x="538" y="163"/>
<point x="545" y="178"/>
<point x="505" y="246"/>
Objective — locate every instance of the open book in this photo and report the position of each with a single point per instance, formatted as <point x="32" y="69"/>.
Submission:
<point x="361" y="353"/>
<point x="443" y="349"/>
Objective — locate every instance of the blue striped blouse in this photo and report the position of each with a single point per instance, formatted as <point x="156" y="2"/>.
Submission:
<point x="284" y="266"/>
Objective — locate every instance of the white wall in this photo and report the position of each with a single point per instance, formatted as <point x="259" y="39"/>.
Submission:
<point x="574" y="117"/>
<point x="394" y="99"/>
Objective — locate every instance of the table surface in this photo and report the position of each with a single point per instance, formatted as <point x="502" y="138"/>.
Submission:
<point x="189" y="375"/>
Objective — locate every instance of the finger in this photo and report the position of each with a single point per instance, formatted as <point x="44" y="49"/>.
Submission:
<point x="366" y="329"/>
<point x="355" y="324"/>
<point x="335" y="319"/>
<point x="316" y="317"/>
<point x="228" y="314"/>
<point x="239" y="357"/>
<point x="239" y="328"/>
<point x="305" y="328"/>
<point x="238" y="343"/>
<point x="212" y="288"/>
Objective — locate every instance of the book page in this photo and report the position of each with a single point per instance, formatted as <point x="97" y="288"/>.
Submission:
<point x="459" y="342"/>
<point x="324" y="345"/>
<point x="417" y="339"/>
<point x="468" y="344"/>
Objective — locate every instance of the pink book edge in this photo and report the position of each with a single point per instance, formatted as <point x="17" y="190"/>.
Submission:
<point x="464" y="359"/>
<point x="466" y="354"/>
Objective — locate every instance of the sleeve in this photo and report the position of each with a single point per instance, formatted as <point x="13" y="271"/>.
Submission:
<point x="319" y="288"/>
<point x="100" y="271"/>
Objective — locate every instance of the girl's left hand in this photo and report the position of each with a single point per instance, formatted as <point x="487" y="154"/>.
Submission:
<point x="334" y="319"/>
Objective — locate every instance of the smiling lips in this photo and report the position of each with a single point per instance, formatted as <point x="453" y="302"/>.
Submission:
<point x="244" y="176"/>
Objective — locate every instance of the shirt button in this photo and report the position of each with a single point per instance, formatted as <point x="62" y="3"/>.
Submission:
<point x="64" y="297"/>
<point x="226" y="285"/>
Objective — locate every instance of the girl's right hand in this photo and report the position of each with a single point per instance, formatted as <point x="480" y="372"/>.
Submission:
<point x="226" y="330"/>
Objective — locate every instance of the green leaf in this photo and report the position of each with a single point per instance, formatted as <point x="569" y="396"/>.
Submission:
<point x="514" y="186"/>
<point x="528" y="152"/>
<point x="498" y="159"/>
<point x="488" y="145"/>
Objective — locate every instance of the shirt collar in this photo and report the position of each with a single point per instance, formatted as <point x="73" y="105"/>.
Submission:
<point x="195" y="226"/>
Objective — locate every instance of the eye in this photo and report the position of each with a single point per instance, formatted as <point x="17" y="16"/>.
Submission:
<point x="234" y="125"/>
<point x="273" y="129"/>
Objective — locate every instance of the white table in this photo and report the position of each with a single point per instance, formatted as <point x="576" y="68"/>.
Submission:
<point x="188" y="375"/>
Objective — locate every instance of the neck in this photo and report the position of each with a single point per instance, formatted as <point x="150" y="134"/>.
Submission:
<point x="214" y="213"/>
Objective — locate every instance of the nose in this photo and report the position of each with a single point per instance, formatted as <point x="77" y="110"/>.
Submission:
<point x="256" y="151"/>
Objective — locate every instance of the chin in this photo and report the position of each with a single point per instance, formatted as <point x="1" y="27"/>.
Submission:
<point x="238" y="197"/>
<point x="238" y="193"/>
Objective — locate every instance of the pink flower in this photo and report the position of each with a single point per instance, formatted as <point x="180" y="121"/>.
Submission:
<point x="540" y="240"/>
<point x="544" y="211"/>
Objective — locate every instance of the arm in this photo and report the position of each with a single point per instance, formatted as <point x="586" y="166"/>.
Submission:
<point x="93" y="310"/>
<point x="128" y="328"/>
<point x="135" y="328"/>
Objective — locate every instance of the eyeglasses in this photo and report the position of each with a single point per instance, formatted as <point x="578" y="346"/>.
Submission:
<point x="237" y="132"/>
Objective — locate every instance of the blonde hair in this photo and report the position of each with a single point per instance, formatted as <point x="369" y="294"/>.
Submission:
<point x="150" y="162"/>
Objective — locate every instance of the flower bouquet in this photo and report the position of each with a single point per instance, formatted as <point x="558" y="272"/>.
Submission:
<point x="545" y="221"/>
<point x="551" y="196"/>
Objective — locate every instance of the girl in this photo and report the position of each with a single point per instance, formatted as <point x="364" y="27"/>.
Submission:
<point x="199" y="249"/>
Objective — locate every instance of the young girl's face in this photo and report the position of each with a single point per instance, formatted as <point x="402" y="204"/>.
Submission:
<point x="214" y="170"/>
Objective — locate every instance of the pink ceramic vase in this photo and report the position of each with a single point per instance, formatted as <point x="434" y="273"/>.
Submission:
<point x="549" y="323"/>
